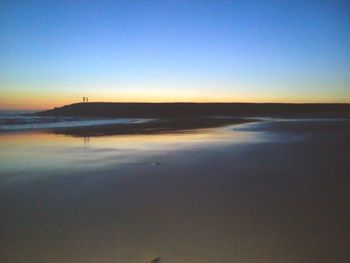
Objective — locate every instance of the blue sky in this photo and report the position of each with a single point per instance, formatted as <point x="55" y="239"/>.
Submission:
<point x="55" y="52"/>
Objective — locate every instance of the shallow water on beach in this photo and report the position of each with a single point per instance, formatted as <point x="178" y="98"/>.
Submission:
<point x="272" y="191"/>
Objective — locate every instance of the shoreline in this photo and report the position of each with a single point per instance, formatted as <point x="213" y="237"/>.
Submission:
<point x="157" y="125"/>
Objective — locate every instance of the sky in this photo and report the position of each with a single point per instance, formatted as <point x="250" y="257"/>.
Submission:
<point x="55" y="52"/>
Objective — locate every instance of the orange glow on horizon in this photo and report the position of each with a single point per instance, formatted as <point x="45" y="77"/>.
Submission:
<point x="34" y="101"/>
<point x="42" y="104"/>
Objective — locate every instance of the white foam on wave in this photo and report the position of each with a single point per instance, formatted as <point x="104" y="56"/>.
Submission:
<point x="12" y="123"/>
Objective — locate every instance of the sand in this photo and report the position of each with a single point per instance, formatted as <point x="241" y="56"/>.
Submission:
<point x="279" y="194"/>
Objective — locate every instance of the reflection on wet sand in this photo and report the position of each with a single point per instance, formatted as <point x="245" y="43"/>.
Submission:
<point x="87" y="141"/>
<point x="41" y="150"/>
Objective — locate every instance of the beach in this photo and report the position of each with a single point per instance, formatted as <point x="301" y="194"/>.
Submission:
<point x="175" y="131"/>
<point x="273" y="190"/>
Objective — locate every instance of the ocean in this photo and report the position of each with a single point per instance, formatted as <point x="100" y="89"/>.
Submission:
<point x="24" y="120"/>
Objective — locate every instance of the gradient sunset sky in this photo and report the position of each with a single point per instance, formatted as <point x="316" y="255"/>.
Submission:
<point x="55" y="52"/>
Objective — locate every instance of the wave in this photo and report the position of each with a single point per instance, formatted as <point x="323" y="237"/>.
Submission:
<point x="13" y="122"/>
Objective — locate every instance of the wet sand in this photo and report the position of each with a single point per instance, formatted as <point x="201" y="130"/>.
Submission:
<point x="156" y="126"/>
<point x="274" y="191"/>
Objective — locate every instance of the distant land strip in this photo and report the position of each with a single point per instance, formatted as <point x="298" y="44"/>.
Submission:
<point x="174" y="110"/>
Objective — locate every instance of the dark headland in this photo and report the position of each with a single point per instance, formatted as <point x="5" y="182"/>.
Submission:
<point x="175" y="110"/>
<point x="175" y="117"/>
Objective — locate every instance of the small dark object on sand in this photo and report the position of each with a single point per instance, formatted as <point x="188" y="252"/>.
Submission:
<point x="155" y="260"/>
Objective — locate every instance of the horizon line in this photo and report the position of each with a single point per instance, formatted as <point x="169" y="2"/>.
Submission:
<point x="176" y="102"/>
